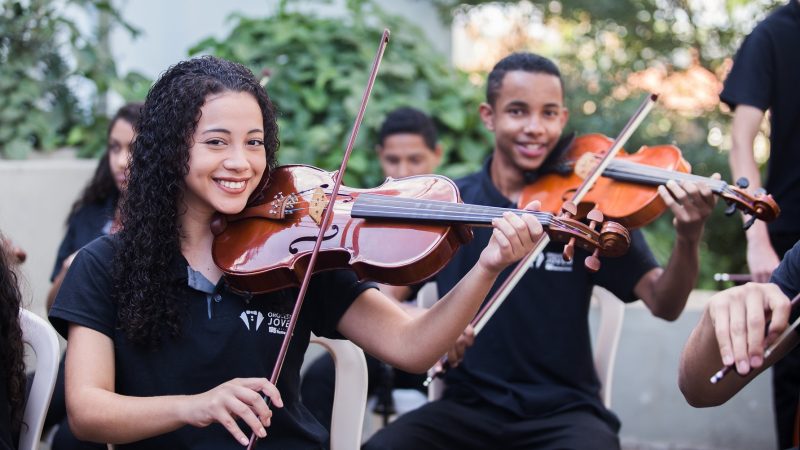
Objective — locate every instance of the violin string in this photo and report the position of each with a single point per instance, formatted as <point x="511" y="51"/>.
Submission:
<point x="432" y="207"/>
<point x="633" y="168"/>
<point x="447" y="206"/>
<point x="718" y="186"/>
<point x="405" y="205"/>
<point x="480" y="212"/>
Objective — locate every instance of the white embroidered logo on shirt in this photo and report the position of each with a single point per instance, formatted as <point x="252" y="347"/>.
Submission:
<point x="252" y="319"/>
<point x="277" y="323"/>
<point x="553" y="262"/>
<point x="537" y="263"/>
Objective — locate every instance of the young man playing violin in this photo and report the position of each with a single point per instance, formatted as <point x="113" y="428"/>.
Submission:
<point x="528" y="381"/>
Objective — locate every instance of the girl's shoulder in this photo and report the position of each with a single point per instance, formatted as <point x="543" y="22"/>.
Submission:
<point x="102" y="249"/>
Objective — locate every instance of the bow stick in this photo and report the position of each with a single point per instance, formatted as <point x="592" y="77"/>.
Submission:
<point x="569" y="209"/>
<point x="326" y="220"/>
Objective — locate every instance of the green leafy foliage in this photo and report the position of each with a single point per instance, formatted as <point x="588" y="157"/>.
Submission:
<point x="318" y="68"/>
<point x="43" y="55"/>
<point x="602" y="43"/>
<point x="35" y="103"/>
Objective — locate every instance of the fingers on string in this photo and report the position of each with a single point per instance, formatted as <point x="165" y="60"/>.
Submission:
<point x="780" y="309"/>
<point x="756" y="323"/>
<point x="738" y="331"/>
<point x="721" y="321"/>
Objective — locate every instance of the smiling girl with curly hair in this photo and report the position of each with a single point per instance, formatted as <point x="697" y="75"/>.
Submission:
<point x="162" y="352"/>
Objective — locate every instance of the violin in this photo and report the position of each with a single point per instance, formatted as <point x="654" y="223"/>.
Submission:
<point x="627" y="190"/>
<point x="400" y="233"/>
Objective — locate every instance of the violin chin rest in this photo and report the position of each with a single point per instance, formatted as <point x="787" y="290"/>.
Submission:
<point x="218" y="224"/>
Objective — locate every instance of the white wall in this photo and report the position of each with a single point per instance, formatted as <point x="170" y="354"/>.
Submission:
<point x="35" y="197"/>
<point x="170" y="28"/>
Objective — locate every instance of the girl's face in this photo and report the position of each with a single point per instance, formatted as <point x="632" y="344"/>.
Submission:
<point x="227" y="158"/>
<point x="119" y="151"/>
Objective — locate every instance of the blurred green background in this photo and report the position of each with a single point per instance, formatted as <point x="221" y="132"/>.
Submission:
<point x="611" y="53"/>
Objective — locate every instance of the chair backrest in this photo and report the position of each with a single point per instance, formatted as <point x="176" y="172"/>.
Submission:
<point x="612" y="313"/>
<point x="350" y="392"/>
<point x="43" y="339"/>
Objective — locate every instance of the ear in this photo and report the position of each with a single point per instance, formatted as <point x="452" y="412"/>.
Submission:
<point x="564" y="117"/>
<point x="487" y="116"/>
<point x="437" y="155"/>
<point x="378" y="148"/>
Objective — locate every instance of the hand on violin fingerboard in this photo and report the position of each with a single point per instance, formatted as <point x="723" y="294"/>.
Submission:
<point x="513" y="237"/>
<point x="691" y="203"/>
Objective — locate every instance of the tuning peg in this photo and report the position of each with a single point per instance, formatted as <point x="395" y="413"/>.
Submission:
<point x="749" y="222"/>
<point x="730" y="209"/>
<point x="569" y="209"/>
<point x="742" y="182"/>
<point x="759" y="192"/>
<point x="569" y="250"/>
<point x="595" y="216"/>
<point x="592" y="262"/>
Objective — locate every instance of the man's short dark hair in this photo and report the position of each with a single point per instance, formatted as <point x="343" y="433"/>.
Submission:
<point x="409" y="120"/>
<point x="526" y="62"/>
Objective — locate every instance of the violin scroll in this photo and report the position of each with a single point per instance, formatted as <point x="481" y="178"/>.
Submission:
<point x="758" y="205"/>
<point x="612" y="240"/>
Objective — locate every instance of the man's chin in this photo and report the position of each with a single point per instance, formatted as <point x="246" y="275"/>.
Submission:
<point x="529" y="165"/>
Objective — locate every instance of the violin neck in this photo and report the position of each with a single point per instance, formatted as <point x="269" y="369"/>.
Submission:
<point x="387" y="207"/>
<point x="622" y="170"/>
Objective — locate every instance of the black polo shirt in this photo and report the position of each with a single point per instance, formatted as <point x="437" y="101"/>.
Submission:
<point x="787" y="276"/>
<point x="7" y="442"/>
<point x="534" y="357"/>
<point x="766" y="75"/>
<point x="224" y="336"/>
<point x="87" y="224"/>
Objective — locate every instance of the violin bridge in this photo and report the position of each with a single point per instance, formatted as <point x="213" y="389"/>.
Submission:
<point x="317" y="205"/>
<point x="585" y="165"/>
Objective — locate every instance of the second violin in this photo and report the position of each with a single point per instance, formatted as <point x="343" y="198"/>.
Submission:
<point x="627" y="192"/>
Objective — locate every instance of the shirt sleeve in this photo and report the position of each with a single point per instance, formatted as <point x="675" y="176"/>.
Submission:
<point x="333" y="292"/>
<point x="65" y="249"/>
<point x="787" y="275"/>
<point x="620" y="275"/>
<point x="85" y="296"/>
<point x="750" y="79"/>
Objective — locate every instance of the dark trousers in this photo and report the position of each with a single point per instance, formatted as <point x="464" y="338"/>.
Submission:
<point x="450" y="424"/>
<point x="786" y="372"/>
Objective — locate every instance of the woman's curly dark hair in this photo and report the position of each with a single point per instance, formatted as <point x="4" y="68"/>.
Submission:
<point x="12" y="349"/>
<point x="102" y="185"/>
<point x="149" y="238"/>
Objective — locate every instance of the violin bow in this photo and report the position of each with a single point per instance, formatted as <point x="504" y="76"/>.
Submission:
<point x="326" y="220"/>
<point x="500" y="295"/>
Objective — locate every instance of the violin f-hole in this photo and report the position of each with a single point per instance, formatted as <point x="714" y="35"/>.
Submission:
<point x="334" y="232"/>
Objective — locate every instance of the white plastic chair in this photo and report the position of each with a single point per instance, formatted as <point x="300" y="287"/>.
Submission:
<point x="612" y="313"/>
<point x="350" y="392"/>
<point x="43" y="339"/>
